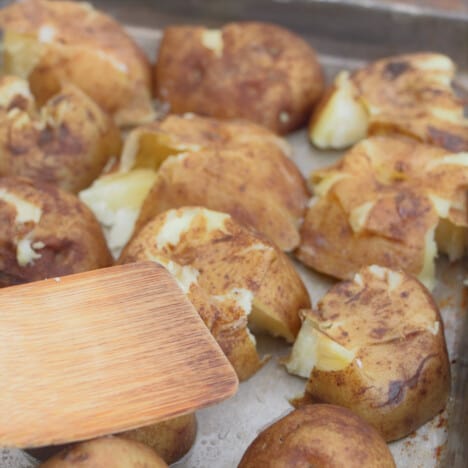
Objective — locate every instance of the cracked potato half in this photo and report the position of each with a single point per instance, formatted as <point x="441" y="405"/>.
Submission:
<point x="407" y="94"/>
<point x="52" y="43"/>
<point x="389" y="201"/>
<point x="251" y="70"/>
<point x="66" y="142"/>
<point x="318" y="436"/>
<point x="231" y="166"/>
<point x="376" y="345"/>
<point x="235" y="278"/>
<point x="46" y="232"/>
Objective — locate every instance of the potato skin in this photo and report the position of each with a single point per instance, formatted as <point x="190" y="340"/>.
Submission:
<point x="400" y="376"/>
<point x="71" y="236"/>
<point x="86" y="48"/>
<point x="228" y="258"/>
<point x="263" y="73"/>
<point x="171" y="439"/>
<point x="399" y="179"/>
<point x="320" y="436"/>
<point x="106" y="452"/>
<point x="236" y="167"/>
<point x="66" y="143"/>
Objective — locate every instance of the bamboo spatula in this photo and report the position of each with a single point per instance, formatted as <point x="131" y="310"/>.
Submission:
<point x="101" y="352"/>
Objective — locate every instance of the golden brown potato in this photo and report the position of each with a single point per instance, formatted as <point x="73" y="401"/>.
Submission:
<point x="45" y="232"/>
<point x="387" y="201"/>
<point x="50" y="43"/>
<point x="257" y="71"/>
<point x="66" y="142"/>
<point x="171" y="439"/>
<point x="407" y="94"/>
<point x="106" y="452"/>
<point x="376" y="345"/>
<point x="234" y="167"/>
<point x="233" y="276"/>
<point x="321" y="436"/>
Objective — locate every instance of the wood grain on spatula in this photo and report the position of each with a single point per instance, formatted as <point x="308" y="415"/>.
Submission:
<point x="102" y="352"/>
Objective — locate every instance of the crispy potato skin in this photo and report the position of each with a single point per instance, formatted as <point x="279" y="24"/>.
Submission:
<point x="66" y="143"/>
<point x="398" y="178"/>
<point x="71" y="236"/>
<point x="171" y="439"/>
<point x="400" y="377"/>
<point x="235" y="167"/>
<point x="409" y="95"/>
<point x="228" y="259"/>
<point x="262" y="72"/>
<point x="319" y="436"/>
<point x="106" y="452"/>
<point x="86" y="48"/>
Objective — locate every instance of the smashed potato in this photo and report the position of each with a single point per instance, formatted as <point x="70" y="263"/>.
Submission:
<point x="407" y="94"/>
<point x="233" y="276"/>
<point x="106" y="452"/>
<point x="50" y="43"/>
<point x="376" y="345"/>
<point x="235" y="167"/>
<point x="37" y="241"/>
<point x="388" y="201"/>
<point x="66" y="142"/>
<point x="171" y="439"/>
<point x="257" y="71"/>
<point x="318" y="436"/>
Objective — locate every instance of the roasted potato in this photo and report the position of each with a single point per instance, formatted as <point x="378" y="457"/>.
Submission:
<point x="407" y="94"/>
<point x="171" y="439"/>
<point x="387" y="201"/>
<point x="318" y="436"/>
<point x="50" y="43"/>
<point x="234" y="167"/>
<point x="232" y="275"/>
<point x="257" y="71"/>
<point x="45" y="232"/>
<point x="66" y="142"/>
<point x="106" y="452"/>
<point x="376" y="345"/>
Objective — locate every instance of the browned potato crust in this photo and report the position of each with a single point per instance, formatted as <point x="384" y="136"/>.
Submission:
<point x="235" y="167"/>
<point x="322" y="436"/>
<point x="106" y="452"/>
<point x="232" y="276"/>
<point x="257" y="71"/>
<point x="45" y="232"/>
<point x="50" y="43"/>
<point x="67" y="142"/>
<point x="171" y="439"/>
<point x="407" y="94"/>
<point x="376" y="345"/>
<point x="383" y="203"/>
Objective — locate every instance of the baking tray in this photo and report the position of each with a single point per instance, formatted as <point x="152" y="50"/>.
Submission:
<point x="346" y="35"/>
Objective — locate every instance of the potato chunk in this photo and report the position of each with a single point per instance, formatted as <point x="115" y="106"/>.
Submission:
<point x="235" y="167"/>
<point x="390" y="201"/>
<point x="50" y="43"/>
<point x="388" y="362"/>
<point x="251" y="70"/>
<point x="37" y="242"/>
<point x="106" y="452"/>
<point x="318" y="436"/>
<point x="233" y="276"/>
<point x="408" y="94"/>
<point x="66" y="142"/>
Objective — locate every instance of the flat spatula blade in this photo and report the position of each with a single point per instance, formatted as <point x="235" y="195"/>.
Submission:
<point x="102" y="352"/>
